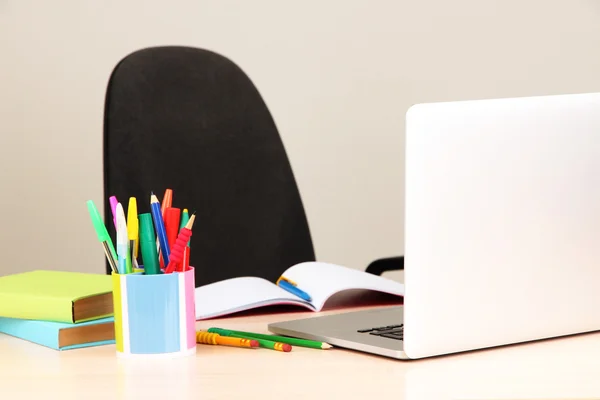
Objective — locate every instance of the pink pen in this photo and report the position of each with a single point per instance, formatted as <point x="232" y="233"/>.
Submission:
<point x="113" y="207"/>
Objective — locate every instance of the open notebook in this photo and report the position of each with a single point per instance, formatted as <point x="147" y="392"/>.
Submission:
<point x="319" y="280"/>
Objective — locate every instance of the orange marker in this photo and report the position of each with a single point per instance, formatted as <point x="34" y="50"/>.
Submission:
<point x="166" y="202"/>
<point x="204" y="337"/>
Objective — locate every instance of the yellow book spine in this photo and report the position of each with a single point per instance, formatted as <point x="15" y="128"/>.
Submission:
<point x="117" y="312"/>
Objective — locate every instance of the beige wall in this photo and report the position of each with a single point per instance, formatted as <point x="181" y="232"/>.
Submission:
<point x="337" y="76"/>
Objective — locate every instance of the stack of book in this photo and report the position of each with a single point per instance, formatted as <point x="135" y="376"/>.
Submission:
<point x="58" y="309"/>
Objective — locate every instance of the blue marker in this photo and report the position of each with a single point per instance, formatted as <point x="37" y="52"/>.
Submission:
<point x="293" y="290"/>
<point x="160" y="228"/>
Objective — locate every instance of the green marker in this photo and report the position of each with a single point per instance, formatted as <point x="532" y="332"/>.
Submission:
<point x="148" y="244"/>
<point x="185" y="217"/>
<point x="103" y="236"/>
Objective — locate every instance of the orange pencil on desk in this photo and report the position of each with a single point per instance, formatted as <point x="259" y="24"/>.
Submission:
<point x="204" y="337"/>
<point x="269" y="344"/>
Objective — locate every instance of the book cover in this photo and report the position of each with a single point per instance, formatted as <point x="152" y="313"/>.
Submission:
<point x="60" y="335"/>
<point x="58" y="296"/>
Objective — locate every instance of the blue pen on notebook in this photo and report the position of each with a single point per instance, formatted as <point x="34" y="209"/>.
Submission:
<point x="291" y="287"/>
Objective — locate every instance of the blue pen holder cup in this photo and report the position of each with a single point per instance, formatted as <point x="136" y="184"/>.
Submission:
<point x="155" y="314"/>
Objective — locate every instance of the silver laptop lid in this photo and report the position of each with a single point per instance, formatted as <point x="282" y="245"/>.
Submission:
<point x="502" y="228"/>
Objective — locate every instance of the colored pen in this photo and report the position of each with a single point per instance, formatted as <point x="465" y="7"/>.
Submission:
<point x="122" y="242"/>
<point x="166" y="202"/>
<point x="148" y="245"/>
<point x="313" y="344"/>
<point x="282" y="283"/>
<point x="103" y="236"/>
<point x="113" y="208"/>
<point x="160" y="228"/>
<point x="133" y="230"/>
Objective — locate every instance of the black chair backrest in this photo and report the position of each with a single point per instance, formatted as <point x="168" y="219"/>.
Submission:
<point x="381" y="265"/>
<point x="191" y="120"/>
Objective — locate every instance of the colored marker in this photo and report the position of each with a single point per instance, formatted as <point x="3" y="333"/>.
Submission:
<point x="113" y="208"/>
<point x="186" y="251"/>
<point x="171" y="218"/>
<point x="185" y="217"/>
<point x="122" y="242"/>
<point x="148" y="245"/>
<point x="133" y="230"/>
<point x="160" y="228"/>
<point x="103" y="236"/>
<point x="167" y="201"/>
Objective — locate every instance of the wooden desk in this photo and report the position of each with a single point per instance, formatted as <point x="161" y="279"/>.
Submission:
<point x="559" y="368"/>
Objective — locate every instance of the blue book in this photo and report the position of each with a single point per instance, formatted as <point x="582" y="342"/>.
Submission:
<point x="61" y="335"/>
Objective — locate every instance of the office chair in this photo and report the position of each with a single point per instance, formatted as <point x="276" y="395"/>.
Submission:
<point x="190" y="120"/>
<point x="382" y="265"/>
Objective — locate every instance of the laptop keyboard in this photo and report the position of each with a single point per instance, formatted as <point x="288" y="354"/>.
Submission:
<point x="389" y="331"/>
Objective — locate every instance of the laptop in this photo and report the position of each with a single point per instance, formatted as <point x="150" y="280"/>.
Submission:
<point x="502" y="231"/>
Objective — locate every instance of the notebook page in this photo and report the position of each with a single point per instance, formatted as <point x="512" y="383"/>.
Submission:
<point x="322" y="280"/>
<point x="239" y="294"/>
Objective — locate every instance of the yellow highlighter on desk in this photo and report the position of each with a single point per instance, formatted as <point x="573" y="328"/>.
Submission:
<point x="292" y="287"/>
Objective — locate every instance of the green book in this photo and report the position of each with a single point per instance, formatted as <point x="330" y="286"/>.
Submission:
<point x="58" y="296"/>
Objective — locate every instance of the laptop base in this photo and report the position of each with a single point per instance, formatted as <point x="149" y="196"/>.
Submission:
<point x="356" y="330"/>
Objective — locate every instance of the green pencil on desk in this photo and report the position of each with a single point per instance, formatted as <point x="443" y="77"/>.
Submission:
<point x="281" y="339"/>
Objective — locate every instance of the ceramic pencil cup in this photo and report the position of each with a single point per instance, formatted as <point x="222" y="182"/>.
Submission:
<point x="154" y="314"/>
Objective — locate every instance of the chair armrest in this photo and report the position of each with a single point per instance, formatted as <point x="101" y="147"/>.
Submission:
<point x="382" y="265"/>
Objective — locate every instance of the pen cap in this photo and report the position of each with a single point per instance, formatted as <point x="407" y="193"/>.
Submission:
<point x="97" y="222"/>
<point x="172" y="219"/>
<point x="132" y="220"/>
<point x="146" y="230"/>
<point x="185" y="217"/>
<point x="167" y="201"/>
<point x="148" y="245"/>
<point x="121" y="224"/>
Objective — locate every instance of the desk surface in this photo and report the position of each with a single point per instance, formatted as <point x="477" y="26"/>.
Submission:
<point x="553" y="369"/>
